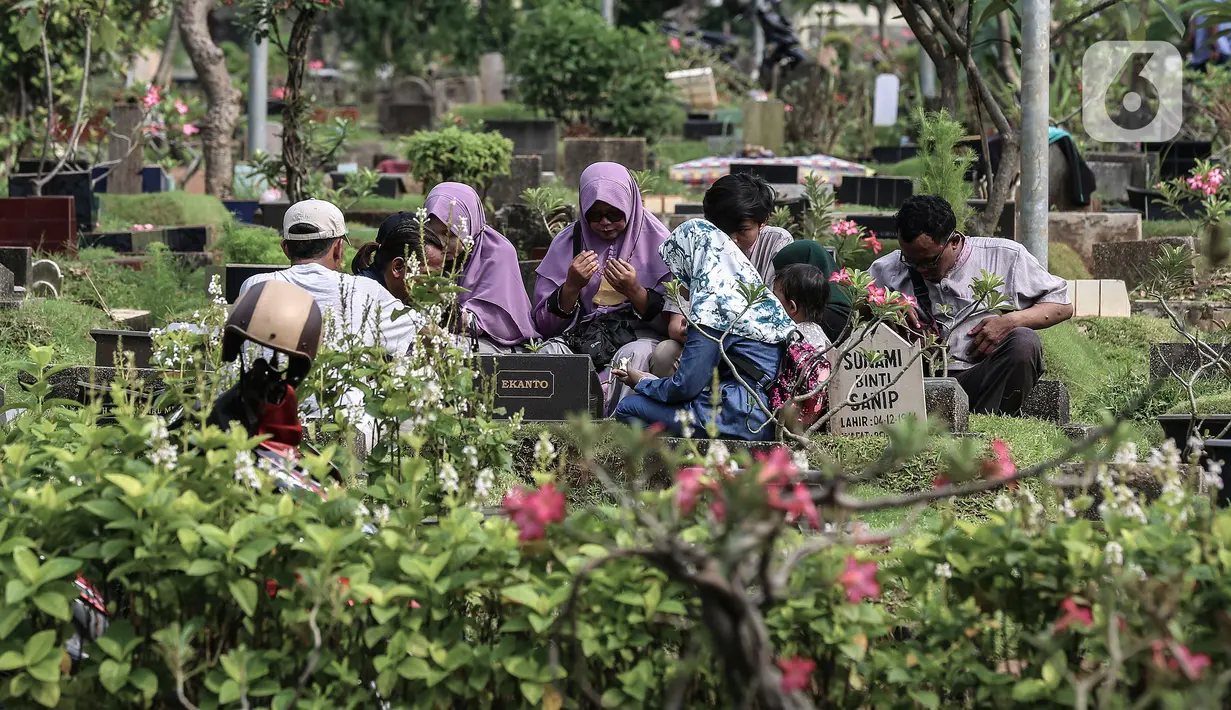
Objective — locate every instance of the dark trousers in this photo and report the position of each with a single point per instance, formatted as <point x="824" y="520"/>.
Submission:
<point x="1002" y="381"/>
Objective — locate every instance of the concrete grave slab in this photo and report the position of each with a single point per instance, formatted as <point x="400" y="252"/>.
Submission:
<point x="1130" y="261"/>
<point x="947" y="401"/>
<point x="1184" y="359"/>
<point x="878" y="400"/>
<point x="1082" y="230"/>
<point x="18" y="260"/>
<point x="525" y="172"/>
<point x="580" y="153"/>
<point x="542" y="387"/>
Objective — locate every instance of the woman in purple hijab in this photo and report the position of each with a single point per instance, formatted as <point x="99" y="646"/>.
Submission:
<point x="604" y="273"/>
<point x="495" y="296"/>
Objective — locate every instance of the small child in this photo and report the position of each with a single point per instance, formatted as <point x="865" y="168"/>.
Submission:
<point x="803" y="291"/>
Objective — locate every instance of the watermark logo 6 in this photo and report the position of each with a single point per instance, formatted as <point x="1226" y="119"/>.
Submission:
<point x="1132" y="91"/>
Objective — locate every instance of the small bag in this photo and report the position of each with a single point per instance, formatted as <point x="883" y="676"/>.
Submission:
<point x="601" y="336"/>
<point x="801" y="370"/>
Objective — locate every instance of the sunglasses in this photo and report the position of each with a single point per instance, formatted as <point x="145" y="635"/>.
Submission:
<point x="931" y="263"/>
<point x="612" y="216"/>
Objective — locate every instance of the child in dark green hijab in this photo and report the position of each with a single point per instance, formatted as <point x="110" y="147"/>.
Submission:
<point x="806" y="251"/>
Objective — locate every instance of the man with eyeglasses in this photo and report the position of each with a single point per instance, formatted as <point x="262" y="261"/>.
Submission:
<point x="997" y="359"/>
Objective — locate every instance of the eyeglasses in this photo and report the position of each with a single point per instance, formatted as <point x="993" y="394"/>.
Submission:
<point x="612" y="217"/>
<point x="931" y="263"/>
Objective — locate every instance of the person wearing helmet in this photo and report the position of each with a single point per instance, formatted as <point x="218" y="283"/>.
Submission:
<point x="314" y="238"/>
<point x="286" y="321"/>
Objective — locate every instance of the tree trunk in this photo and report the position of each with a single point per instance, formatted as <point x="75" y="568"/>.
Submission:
<point x="294" y="149"/>
<point x="162" y="76"/>
<point x="218" y="127"/>
<point x="948" y="80"/>
<point x="1005" y="51"/>
<point x="1002" y="185"/>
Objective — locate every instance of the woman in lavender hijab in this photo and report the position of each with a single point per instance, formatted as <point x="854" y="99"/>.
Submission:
<point x="605" y="269"/>
<point x="494" y="303"/>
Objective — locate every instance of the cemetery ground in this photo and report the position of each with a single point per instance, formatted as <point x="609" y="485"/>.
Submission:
<point x="1101" y="361"/>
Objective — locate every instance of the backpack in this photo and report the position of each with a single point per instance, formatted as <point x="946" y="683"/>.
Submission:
<point x="803" y="369"/>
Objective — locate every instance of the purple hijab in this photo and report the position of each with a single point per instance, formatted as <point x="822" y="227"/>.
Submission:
<point x="638" y="245"/>
<point x="492" y="279"/>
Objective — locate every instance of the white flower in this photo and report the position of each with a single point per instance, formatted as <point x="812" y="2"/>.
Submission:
<point x="1113" y="554"/>
<point x="800" y="459"/>
<point x="1127" y="453"/>
<point x="448" y="478"/>
<point x="1196" y="444"/>
<point x="1137" y="570"/>
<point x="215" y="290"/>
<point x="1069" y="510"/>
<point x="472" y="455"/>
<point x="944" y="571"/>
<point x="382" y="514"/>
<point x="421" y="215"/>
<point x="245" y="471"/>
<point x="717" y="455"/>
<point x="685" y="418"/>
<point x="544" y="450"/>
<point x="162" y="452"/>
<point x="1212" y="475"/>
<point x="1003" y="504"/>
<point x="483" y="483"/>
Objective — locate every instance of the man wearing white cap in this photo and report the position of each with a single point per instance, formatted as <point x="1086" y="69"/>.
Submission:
<point x="313" y="237"/>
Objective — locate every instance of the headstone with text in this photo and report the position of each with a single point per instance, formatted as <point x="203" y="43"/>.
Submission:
<point x="542" y="387"/>
<point x="879" y="396"/>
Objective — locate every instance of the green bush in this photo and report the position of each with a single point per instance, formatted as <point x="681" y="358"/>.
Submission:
<point x="474" y="114"/>
<point x="61" y="325"/>
<point x="454" y="155"/>
<point x="121" y="212"/>
<point x="576" y="68"/>
<point x="241" y="244"/>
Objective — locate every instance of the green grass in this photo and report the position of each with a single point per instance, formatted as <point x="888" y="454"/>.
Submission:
<point x="508" y="111"/>
<point x="1168" y="228"/>
<point x="911" y="168"/>
<point x="63" y="325"/>
<point x="405" y="203"/>
<point x="1217" y="401"/>
<point x="121" y="212"/>
<point x="162" y="287"/>
<point x="671" y="151"/>
<point x="1066" y="263"/>
<point x="1103" y="361"/>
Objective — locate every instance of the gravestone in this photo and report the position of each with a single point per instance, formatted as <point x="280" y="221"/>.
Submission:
<point x="525" y="172"/>
<point x="856" y="379"/>
<point x="126" y="146"/>
<point x="1151" y="205"/>
<point x="456" y="91"/>
<point x="884" y="224"/>
<point x="1184" y="359"/>
<point x="947" y="402"/>
<point x="243" y="210"/>
<point x="528" y="276"/>
<point x="1082" y="230"/>
<point x="404" y="119"/>
<point x="543" y="387"/>
<point x="491" y="77"/>
<point x="122" y="242"/>
<point x="108" y="344"/>
<point x="875" y="191"/>
<point x="723" y="145"/>
<point x="765" y="124"/>
<point x="1048" y="400"/>
<point x="76" y="184"/>
<point x="186" y="239"/>
<point x="885" y="101"/>
<point x="1006" y="227"/>
<point x="524" y="228"/>
<point x="47" y="224"/>
<point x="1142" y="167"/>
<point x="131" y="319"/>
<point x="47" y="281"/>
<point x="772" y="174"/>
<point x="272" y="214"/>
<point x="18" y="261"/>
<point x="1130" y="261"/>
<point x="1112" y="178"/>
<point x="894" y="153"/>
<point x="8" y="293"/>
<point x="530" y="137"/>
<point x="235" y="275"/>
<point x="581" y="153"/>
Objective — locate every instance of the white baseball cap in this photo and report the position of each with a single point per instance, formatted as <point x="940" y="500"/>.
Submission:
<point x="313" y="219"/>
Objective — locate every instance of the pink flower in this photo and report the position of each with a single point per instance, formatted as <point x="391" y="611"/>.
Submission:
<point x="190" y="129"/>
<point x="414" y="604"/>
<point x="796" y="673"/>
<point x="805" y="507"/>
<point x="940" y="482"/>
<point x="719" y="509"/>
<point x="278" y="93"/>
<point x="908" y="301"/>
<point x="841" y="276"/>
<point x="316" y="64"/>
<point x="532" y="511"/>
<point x="180" y="107"/>
<point x="859" y="580"/>
<point x="688" y="487"/>
<point x="844" y="228"/>
<point x="152" y="97"/>
<point x="271" y="587"/>
<point x="1192" y="664"/>
<point x="787" y="108"/>
<point x="674" y="42"/>
<point x="777" y="466"/>
<point x="872" y="243"/>
<point x="1002" y="465"/>
<point x="799" y="505"/>
<point x="876" y="295"/>
<point x="1074" y="614"/>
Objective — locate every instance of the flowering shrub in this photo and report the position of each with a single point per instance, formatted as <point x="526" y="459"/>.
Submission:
<point x="1206" y="186"/>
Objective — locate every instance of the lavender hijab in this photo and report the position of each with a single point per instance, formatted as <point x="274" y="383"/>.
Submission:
<point x="638" y="245"/>
<point x="494" y="290"/>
